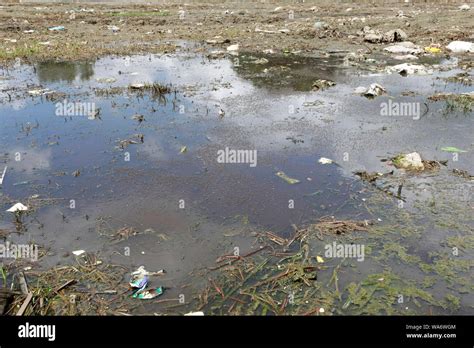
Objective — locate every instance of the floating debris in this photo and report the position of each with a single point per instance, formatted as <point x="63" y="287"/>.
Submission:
<point x="374" y="90"/>
<point x="194" y="314"/>
<point x="18" y="207"/>
<point x="410" y="161"/>
<point x="324" y="160"/>
<point x="78" y="252"/>
<point x="285" y="177"/>
<point x="409" y="69"/>
<point x="148" y="294"/>
<point x="463" y="173"/>
<point x="57" y="28"/>
<point x="322" y="84"/>
<point x="406" y="47"/>
<point x="452" y="149"/>
<point x="414" y="162"/>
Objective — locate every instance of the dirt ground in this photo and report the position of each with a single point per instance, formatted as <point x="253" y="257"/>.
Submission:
<point x="255" y="27"/>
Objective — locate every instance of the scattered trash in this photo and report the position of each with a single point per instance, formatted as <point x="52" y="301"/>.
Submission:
<point x="324" y="160"/>
<point x="404" y="47"/>
<point x="139" y="281"/>
<point x="17" y="208"/>
<point x="414" y="162"/>
<point x="409" y="69"/>
<point x="28" y="31"/>
<point x="285" y="177"/>
<point x="432" y="49"/>
<point x="319" y="259"/>
<point x="76" y="173"/>
<point x="194" y="314"/>
<point x="322" y="84"/>
<point x="183" y="149"/>
<point x="452" y="149"/>
<point x="464" y="7"/>
<point x="78" y="252"/>
<point x="374" y="90"/>
<point x="411" y="161"/>
<point x="461" y="46"/>
<point x="57" y="28"/>
<point x="148" y="294"/>
<point x="137" y="86"/>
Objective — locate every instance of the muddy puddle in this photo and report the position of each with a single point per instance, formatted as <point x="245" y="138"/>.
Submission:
<point x="145" y="142"/>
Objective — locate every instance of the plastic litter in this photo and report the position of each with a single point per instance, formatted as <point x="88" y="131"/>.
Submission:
<point x="194" y="314"/>
<point x="374" y="90"/>
<point x="148" y="294"/>
<point x="78" y="252"/>
<point x="57" y="28"/>
<point x="17" y="208"/>
<point x="406" y="47"/>
<point x="139" y="281"/>
<point x="285" y="177"/>
<point x="409" y="69"/>
<point x="461" y="46"/>
<point x="432" y="49"/>
<point x="324" y="160"/>
<point x="409" y="161"/>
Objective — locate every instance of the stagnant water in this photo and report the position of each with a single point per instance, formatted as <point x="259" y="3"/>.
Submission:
<point x="76" y="173"/>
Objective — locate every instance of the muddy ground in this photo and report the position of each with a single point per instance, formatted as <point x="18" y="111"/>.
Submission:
<point x="254" y="26"/>
<point x="139" y="182"/>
